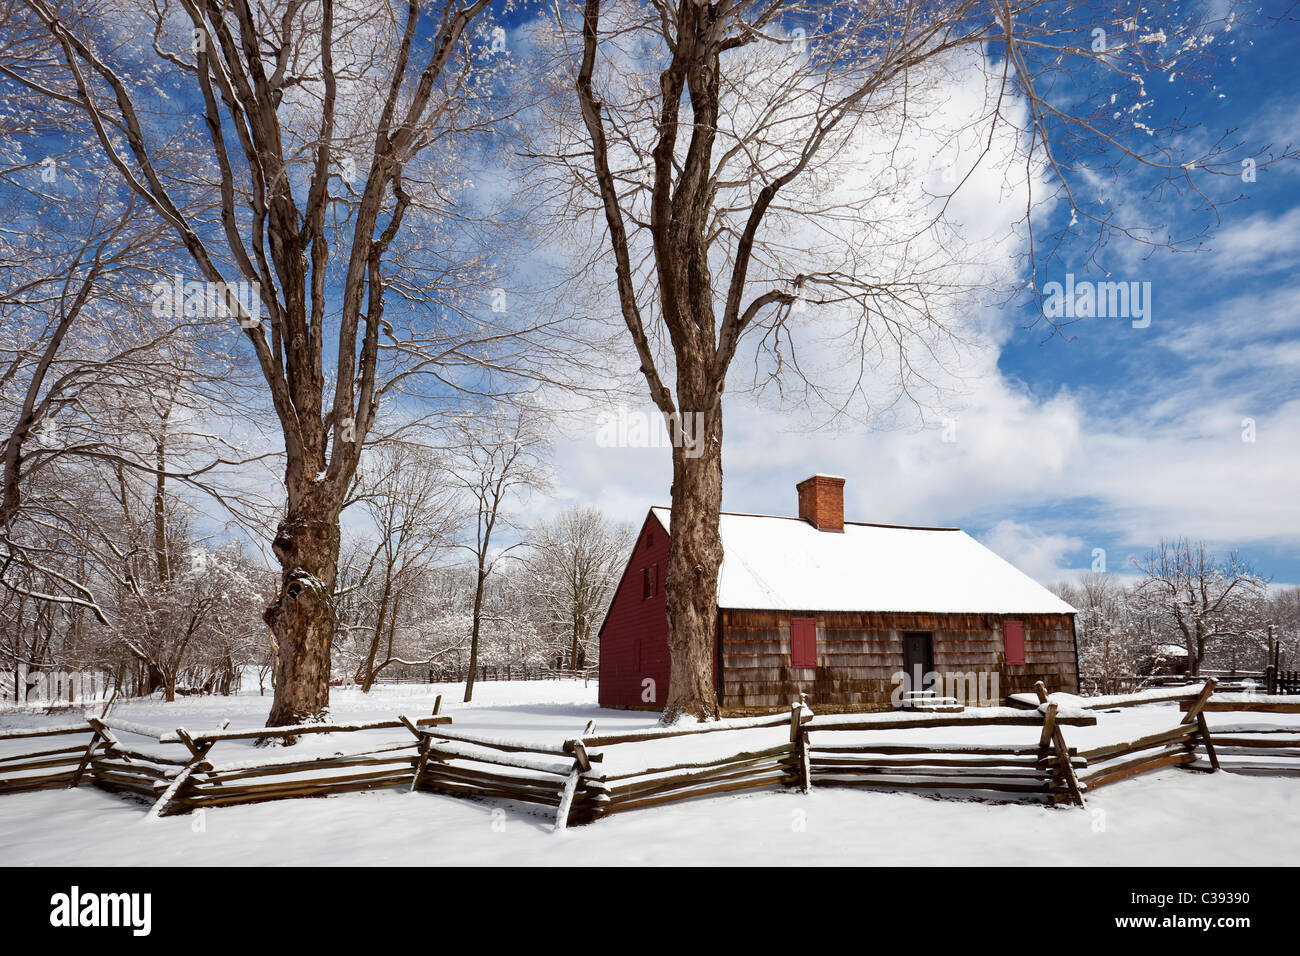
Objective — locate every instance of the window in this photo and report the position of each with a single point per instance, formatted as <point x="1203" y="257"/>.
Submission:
<point x="1013" y="641"/>
<point x="649" y="582"/>
<point x="803" y="642"/>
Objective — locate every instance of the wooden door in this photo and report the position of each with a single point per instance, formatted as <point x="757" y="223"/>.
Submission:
<point x="918" y="658"/>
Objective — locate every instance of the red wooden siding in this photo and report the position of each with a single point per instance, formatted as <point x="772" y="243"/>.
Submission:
<point x="803" y="642"/>
<point x="634" y="637"/>
<point x="1013" y="641"/>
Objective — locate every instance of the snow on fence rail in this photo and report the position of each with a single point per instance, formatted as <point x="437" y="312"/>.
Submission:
<point x="465" y="765"/>
<point x="177" y="774"/>
<point x="749" y="769"/>
<point x="1112" y="763"/>
<point x="1046" y="769"/>
<point x="55" y="764"/>
<point x="1252" y="748"/>
<point x="201" y="783"/>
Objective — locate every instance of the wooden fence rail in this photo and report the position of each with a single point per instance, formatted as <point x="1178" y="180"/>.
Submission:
<point x="56" y="763"/>
<point x="177" y="774"/>
<point x="1046" y="769"/>
<point x="1252" y="748"/>
<point x="474" y="766"/>
<point x="1123" y="760"/>
<point x="200" y="783"/>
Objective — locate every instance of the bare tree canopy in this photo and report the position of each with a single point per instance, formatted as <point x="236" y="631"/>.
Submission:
<point x="415" y="513"/>
<point x="313" y="200"/>
<point x="1202" y="597"/>
<point x="715" y="148"/>
<point x="575" y="561"/>
<point x="500" y="456"/>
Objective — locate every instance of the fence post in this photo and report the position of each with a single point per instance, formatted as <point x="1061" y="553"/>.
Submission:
<point x="1201" y="698"/>
<point x="1049" y="728"/>
<point x="1195" y="712"/>
<point x="592" y="784"/>
<point x="199" y="755"/>
<point x="90" y="750"/>
<point x="170" y="793"/>
<point x="1052" y="732"/>
<point x="800" y="741"/>
<point x="110" y="741"/>
<point x="581" y="765"/>
<point x="424" y="742"/>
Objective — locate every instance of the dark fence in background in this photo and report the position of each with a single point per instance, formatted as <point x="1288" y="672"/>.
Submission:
<point x="457" y="674"/>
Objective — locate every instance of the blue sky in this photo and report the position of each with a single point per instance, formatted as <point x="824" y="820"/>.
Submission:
<point x="1103" y="437"/>
<point x="1222" y="347"/>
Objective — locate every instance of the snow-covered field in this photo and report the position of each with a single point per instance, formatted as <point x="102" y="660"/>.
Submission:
<point x="1172" y="817"/>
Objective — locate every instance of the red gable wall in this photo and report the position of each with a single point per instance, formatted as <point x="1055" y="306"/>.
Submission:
<point x="634" y="637"/>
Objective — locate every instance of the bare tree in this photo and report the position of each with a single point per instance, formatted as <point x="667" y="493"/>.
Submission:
<point x="1115" y="637"/>
<point x="714" y="140"/>
<point x="413" y="510"/>
<point x="1203" y="598"/>
<point x="57" y="376"/>
<point x="1283" y="648"/>
<point x="575" y="561"/>
<point x="497" y="458"/>
<point x="324" y="128"/>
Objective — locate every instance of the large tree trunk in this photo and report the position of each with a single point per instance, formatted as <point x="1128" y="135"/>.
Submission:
<point x="694" y="558"/>
<point x="302" y="616"/>
<point x="154" y="679"/>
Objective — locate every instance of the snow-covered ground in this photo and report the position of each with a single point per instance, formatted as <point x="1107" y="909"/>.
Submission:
<point x="1173" y="817"/>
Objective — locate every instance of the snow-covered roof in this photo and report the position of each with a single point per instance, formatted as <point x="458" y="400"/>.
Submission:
<point x="786" y="564"/>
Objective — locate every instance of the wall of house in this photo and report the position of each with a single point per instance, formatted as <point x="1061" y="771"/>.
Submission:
<point x="858" y="656"/>
<point x="634" y="637"/>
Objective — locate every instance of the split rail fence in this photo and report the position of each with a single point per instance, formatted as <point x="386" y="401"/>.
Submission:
<point x="176" y="771"/>
<point x="175" y="774"/>
<point x="1177" y="746"/>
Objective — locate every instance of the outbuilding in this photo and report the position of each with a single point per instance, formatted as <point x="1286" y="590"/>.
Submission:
<point x="857" y="616"/>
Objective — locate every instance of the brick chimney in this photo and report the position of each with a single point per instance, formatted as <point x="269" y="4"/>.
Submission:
<point x="821" y="502"/>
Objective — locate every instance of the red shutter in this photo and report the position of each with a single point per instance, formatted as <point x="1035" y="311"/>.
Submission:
<point x="803" y="642"/>
<point x="1013" y="641"/>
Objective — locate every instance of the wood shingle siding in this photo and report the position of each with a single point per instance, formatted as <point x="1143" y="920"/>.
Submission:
<point x="859" y="655"/>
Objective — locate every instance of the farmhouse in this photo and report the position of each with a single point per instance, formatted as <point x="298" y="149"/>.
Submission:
<point x="852" y="614"/>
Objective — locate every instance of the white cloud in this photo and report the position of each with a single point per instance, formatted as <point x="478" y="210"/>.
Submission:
<point x="1260" y="242"/>
<point x="1040" y="554"/>
<point x="1157" y="454"/>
